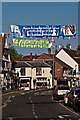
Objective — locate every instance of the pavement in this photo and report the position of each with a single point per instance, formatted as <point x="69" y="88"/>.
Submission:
<point x="35" y="104"/>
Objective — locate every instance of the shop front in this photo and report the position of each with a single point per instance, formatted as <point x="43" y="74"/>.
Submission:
<point x="25" y="84"/>
<point x="42" y="83"/>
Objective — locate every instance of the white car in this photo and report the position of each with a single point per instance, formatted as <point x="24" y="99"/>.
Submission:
<point x="66" y="98"/>
<point x="60" y="91"/>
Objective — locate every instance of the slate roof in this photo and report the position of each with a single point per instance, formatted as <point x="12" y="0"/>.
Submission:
<point x="21" y="64"/>
<point x="39" y="64"/>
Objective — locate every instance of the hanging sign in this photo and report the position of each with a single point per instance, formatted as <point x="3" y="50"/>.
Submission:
<point x="30" y="43"/>
<point x="41" y="31"/>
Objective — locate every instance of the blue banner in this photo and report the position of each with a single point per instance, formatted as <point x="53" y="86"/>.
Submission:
<point x="38" y="31"/>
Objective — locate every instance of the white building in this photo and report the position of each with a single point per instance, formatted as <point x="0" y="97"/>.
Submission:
<point x="34" y="74"/>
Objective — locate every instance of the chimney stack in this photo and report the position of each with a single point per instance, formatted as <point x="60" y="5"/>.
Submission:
<point x="35" y="56"/>
<point x="68" y="46"/>
<point x="56" y="51"/>
<point x="31" y="56"/>
<point x="49" y="51"/>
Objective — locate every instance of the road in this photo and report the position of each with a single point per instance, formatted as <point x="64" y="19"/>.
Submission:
<point x="36" y="104"/>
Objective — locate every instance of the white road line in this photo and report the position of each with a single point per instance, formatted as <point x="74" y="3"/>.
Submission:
<point x="29" y="97"/>
<point x="34" y="113"/>
<point x="13" y="96"/>
<point x="33" y="107"/>
<point x="36" y="116"/>
<point x="7" y="99"/>
<point x="65" y="115"/>
<point x="60" y="116"/>
<point x="69" y="109"/>
<point x="22" y="93"/>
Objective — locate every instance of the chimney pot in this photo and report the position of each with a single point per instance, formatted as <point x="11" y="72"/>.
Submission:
<point x="56" y="51"/>
<point x="31" y="56"/>
<point x="49" y="51"/>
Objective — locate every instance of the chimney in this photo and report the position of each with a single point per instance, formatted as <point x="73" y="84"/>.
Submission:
<point x="35" y="56"/>
<point x="78" y="50"/>
<point x="68" y="46"/>
<point x="31" y="56"/>
<point x="56" y="51"/>
<point x="49" y="51"/>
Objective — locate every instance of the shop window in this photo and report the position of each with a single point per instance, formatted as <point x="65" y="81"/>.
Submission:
<point x="22" y="71"/>
<point x="38" y="71"/>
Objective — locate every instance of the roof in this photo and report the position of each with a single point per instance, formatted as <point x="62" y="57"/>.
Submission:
<point x="73" y="53"/>
<point x="28" y="57"/>
<point x="50" y="62"/>
<point x="39" y="64"/>
<point x="45" y="56"/>
<point x="21" y="64"/>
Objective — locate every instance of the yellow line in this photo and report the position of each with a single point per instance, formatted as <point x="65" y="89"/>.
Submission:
<point x="10" y="93"/>
<point x="4" y="105"/>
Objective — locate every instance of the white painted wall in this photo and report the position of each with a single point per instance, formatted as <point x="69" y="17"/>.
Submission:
<point x="32" y="73"/>
<point x="62" y="55"/>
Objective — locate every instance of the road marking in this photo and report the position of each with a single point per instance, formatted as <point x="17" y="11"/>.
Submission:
<point x="33" y="110"/>
<point x="60" y="116"/>
<point x="69" y="109"/>
<point x="22" y="93"/>
<point x="13" y="96"/>
<point x="29" y="97"/>
<point x="34" y="113"/>
<point x="7" y="99"/>
<point x="10" y="93"/>
<point x="11" y="118"/>
<point x="65" y="115"/>
<point x="4" y="106"/>
<point x="36" y="116"/>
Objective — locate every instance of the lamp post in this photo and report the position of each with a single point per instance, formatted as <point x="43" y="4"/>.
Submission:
<point x="53" y="64"/>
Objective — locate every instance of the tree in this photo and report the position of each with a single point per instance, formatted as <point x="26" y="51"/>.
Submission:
<point x="14" y="54"/>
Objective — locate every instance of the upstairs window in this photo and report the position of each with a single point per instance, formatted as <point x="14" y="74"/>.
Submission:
<point x="38" y="71"/>
<point x="22" y="71"/>
<point x="5" y="52"/>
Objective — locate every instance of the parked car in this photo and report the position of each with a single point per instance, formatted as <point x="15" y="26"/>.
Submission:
<point x="76" y="104"/>
<point x="72" y="95"/>
<point x="66" y="98"/>
<point x="59" y="91"/>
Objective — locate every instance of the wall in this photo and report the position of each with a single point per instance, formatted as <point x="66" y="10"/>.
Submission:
<point x="62" y="55"/>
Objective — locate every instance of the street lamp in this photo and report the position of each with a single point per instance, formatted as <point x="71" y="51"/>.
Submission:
<point x="53" y="64"/>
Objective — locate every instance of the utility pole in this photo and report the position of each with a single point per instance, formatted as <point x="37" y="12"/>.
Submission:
<point x="53" y="65"/>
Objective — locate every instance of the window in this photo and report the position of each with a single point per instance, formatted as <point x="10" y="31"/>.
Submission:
<point x="5" y="53"/>
<point x="22" y="71"/>
<point x="38" y="71"/>
<point x="3" y="64"/>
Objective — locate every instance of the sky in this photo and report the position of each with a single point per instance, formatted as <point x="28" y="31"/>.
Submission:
<point x="23" y="13"/>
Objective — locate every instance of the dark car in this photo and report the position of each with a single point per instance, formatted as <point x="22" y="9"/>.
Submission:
<point x="72" y="95"/>
<point x="60" y="91"/>
<point x="76" y="104"/>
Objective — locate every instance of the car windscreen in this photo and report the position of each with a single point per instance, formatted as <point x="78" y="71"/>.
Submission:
<point x="77" y="91"/>
<point x="63" y="88"/>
